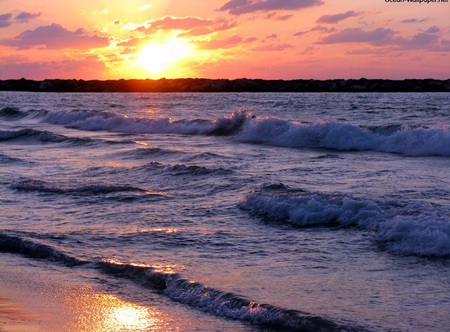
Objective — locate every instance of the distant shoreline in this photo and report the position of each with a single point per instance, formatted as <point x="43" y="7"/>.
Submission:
<point x="226" y="85"/>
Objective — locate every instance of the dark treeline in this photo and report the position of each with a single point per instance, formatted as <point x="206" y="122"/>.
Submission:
<point x="225" y="85"/>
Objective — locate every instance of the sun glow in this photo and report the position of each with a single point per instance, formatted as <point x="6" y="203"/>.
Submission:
<point x="158" y="57"/>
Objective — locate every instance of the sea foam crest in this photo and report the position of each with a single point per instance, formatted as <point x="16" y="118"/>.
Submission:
<point x="90" y="120"/>
<point x="412" y="230"/>
<point x="425" y="234"/>
<point x="348" y="137"/>
<point x="310" y="209"/>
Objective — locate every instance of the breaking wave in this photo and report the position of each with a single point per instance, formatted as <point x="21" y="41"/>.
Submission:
<point x="421" y="230"/>
<point x="410" y="141"/>
<point x="407" y="140"/>
<point x="89" y="120"/>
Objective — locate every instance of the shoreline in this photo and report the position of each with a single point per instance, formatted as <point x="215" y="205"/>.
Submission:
<point x="226" y="85"/>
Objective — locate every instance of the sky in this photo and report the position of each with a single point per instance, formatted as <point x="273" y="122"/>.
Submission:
<point x="229" y="39"/>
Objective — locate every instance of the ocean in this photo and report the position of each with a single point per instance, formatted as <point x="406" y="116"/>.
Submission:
<point x="230" y="211"/>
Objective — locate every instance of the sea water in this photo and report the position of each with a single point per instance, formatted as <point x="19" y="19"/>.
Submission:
<point x="236" y="211"/>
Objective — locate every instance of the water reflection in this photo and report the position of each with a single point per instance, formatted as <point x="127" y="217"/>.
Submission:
<point x="98" y="312"/>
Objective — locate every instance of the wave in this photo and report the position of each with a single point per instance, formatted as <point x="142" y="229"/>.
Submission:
<point x="421" y="230"/>
<point x="13" y="113"/>
<point x="39" y="136"/>
<point x="185" y="169"/>
<point x="411" y="141"/>
<point x="5" y="159"/>
<point x="149" y="152"/>
<point x="179" y="289"/>
<point x="17" y="245"/>
<point x="95" y="121"/>
<point x="42" y="186"/>
<point x="312" y="209"/>
<point x="407" y="140"/>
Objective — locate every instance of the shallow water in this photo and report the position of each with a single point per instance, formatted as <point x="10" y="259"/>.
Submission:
<point x="244" y="211"/>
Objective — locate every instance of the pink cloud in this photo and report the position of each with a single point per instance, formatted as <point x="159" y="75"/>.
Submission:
<point x="237" y="7"/>
<point x="268" y="48"/>
<point x="224" y="43"/>
<point x="193" y="26"/>
<point x="332" y="19"/>
<point x="18" y="67"/>
<point x="54" y="37"/>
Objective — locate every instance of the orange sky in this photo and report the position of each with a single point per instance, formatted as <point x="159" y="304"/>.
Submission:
<point x="268" y="39"/>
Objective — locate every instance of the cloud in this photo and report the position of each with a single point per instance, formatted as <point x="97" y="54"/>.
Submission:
<point x="414" y="20"/>
<point x="83" y="68"/>
<point x="433" y="29"/>
<point x="25" y="17"/>
<point x="145" y="7"/>
<point x="386" y="37"/>
<point x="275" y="17"/>
<point x="5" y="20"/>
<point x="316" y="28"/>
<point x="331" y="19"/>
<point x="55" y="37"/>
<point x="356" y="35"/>
<point x="272" y="47"/>
<point x="237" y="7"/>
<point x="420" y="40"/>
<point x="368" y="51"/>
<point x="193" y="25"/>
<point x="224" y="43"/>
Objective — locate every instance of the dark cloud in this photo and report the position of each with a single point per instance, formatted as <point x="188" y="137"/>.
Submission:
<point x="25" y="17"/>
<point x="274" y="16"/>
<point x="356" y="35"/>
<point x="5" y="20"/>
<point x="418" y="41"/>
<point x="331" y="19"/>
<point x="414" y="20"/>
<point x="433" y="29"/>
<point x="385" y="37"/>
<point x="316" y="28"/>
<point x="55" y="37"/>
<point x="237" y="7"/>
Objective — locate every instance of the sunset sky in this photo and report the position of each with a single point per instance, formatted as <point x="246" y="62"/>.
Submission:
<point x="268" y="39"/>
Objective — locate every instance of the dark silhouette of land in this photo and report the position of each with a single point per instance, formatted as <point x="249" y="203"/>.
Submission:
<point x="225" y="85"/>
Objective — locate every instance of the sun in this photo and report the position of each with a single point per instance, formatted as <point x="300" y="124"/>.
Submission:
<point x="158" y="57"/>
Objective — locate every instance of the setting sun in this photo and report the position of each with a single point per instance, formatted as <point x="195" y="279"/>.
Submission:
<point x="157" y="57"/>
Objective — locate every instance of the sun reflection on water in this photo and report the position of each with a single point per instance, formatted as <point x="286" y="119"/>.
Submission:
<point x="101" y="312"/>
<point x="122" y="316"/>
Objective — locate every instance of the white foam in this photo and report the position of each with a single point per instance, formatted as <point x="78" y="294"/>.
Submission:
<point x="417" y="230"/>
<point x="424" y="235"/>
<point x="343" y="136"/>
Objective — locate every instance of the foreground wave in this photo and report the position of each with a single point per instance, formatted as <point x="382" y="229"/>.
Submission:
<point x="179" y="289"/>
